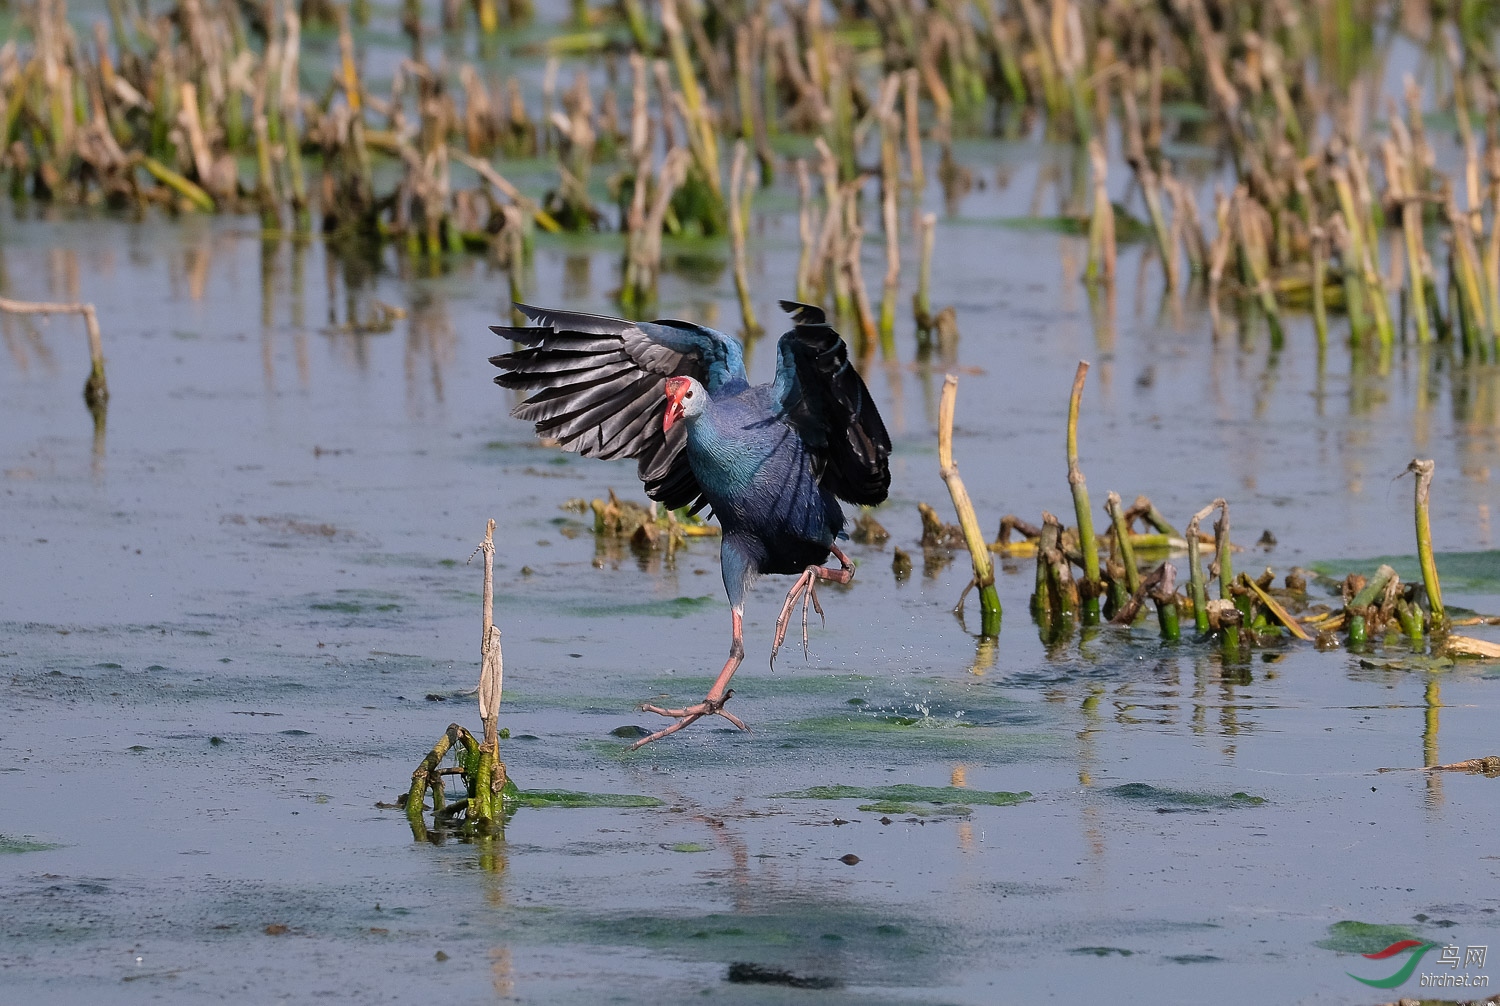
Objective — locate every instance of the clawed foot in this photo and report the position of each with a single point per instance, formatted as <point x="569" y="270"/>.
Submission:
<point x="807" y="588"/>
<point x="691" y="714"/>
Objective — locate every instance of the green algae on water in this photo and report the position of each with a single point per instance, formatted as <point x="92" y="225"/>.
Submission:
<point x="1350" y="937"/>
<point x="571" y="800"/>
<point x="1182" y="799"/>
<point x="675" y="607"/>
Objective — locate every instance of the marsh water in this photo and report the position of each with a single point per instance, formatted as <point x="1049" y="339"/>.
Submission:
<point x="233" y="621"/>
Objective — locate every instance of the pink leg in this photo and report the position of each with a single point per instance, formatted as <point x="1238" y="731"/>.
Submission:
<point x="806" y="588"/>
<point x="713" y="703"/>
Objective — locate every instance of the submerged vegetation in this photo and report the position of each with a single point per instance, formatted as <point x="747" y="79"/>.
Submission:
<point x="1074" y="587"/>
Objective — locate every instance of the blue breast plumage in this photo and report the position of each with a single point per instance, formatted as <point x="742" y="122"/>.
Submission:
<point x="758" y="476"/>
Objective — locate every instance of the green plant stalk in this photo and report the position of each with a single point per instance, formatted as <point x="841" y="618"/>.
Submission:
<point x="1154" y="542"/>
<point x="164" y="113"/>
<point x="1046" y="66"/>
<point x="1150" y="187"/>
<point x="265" y="177"/>
<point x="234" y="119"/>
<point x="1410" y="617"/>
<point x="888" y="321"/>
<point x="979" y="553"/>
<point x="488" y="14"/>
<point x="11" y="112"/>
<point x="1197" y="589"/>
<point x="1492" y="268"/>
<point x="1006" y="53"/>
<point x="1229" y="626"/>
<point x="451" y="238"/>
<point x="1257" y="261"/>
<point x="635" y="20"/>
<point x="707" y="145"/>
<point x="1119" y="593"/>
<point x="426" y="776"/>
<point x="744" y="84"/>
<point x="1166" y="618"/>
<point x="1423" y="469"/>
<point x="841" y="132"/>
<point x="1411" y="225"/>
<point x="1372" y="590"/>
<point x="1086" y="540"/>
<point x="182" y="186"/>
<point x="1223" y="556"/>
<point x="1354" y="301"/>
<point x="1363" y="256"/>
<point x="1042" y="600"/>
<point x="1083" y="123"/>
<point x="1319" y="299"/>
<point x="1122" y="540"/>
<point x="1468" y="273"/>
<point x="1442" y="329"/>
<point x="1155" y="518"/>
<point x="485" y="800"/>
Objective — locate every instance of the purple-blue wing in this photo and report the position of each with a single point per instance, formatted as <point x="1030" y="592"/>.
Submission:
<point x="825" y="400"/>
<point x="595" y="385"/>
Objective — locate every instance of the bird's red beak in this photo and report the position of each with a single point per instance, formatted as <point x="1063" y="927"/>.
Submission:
<point x="676" y="388"/>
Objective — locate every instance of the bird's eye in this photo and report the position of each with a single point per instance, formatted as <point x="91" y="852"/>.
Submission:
<point x="688" y="395"/>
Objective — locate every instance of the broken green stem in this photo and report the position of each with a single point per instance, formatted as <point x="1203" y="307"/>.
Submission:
<point x="1079" y="487"/>
<point x="1367" y="596"/>
<point x="1122" y="540"/>
<point x="1165" y="598"/>
<point x="1196" y="585"/>
<point x="1423" y="469"/>
<point x="979" y="552"/>
<point x="1042" y="601"/>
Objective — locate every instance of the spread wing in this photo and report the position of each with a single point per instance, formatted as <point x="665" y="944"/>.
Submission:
<point x="825" y="400"/>
<point x="595" y="386"/>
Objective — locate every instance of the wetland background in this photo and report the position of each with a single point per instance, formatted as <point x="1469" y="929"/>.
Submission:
<point x="236" y="610"/>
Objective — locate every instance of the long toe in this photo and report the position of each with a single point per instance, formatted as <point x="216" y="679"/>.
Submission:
<point x="802" y="584"/>
<point x="688" y="716"/>
<point x="685" y="721"/>
<point x="658" y="710"/>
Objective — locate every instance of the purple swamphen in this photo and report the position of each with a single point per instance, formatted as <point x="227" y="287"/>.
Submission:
<point x="770" y="461"/>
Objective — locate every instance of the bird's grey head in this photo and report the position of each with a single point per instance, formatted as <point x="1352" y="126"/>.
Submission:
<point x="686" y="399"/>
